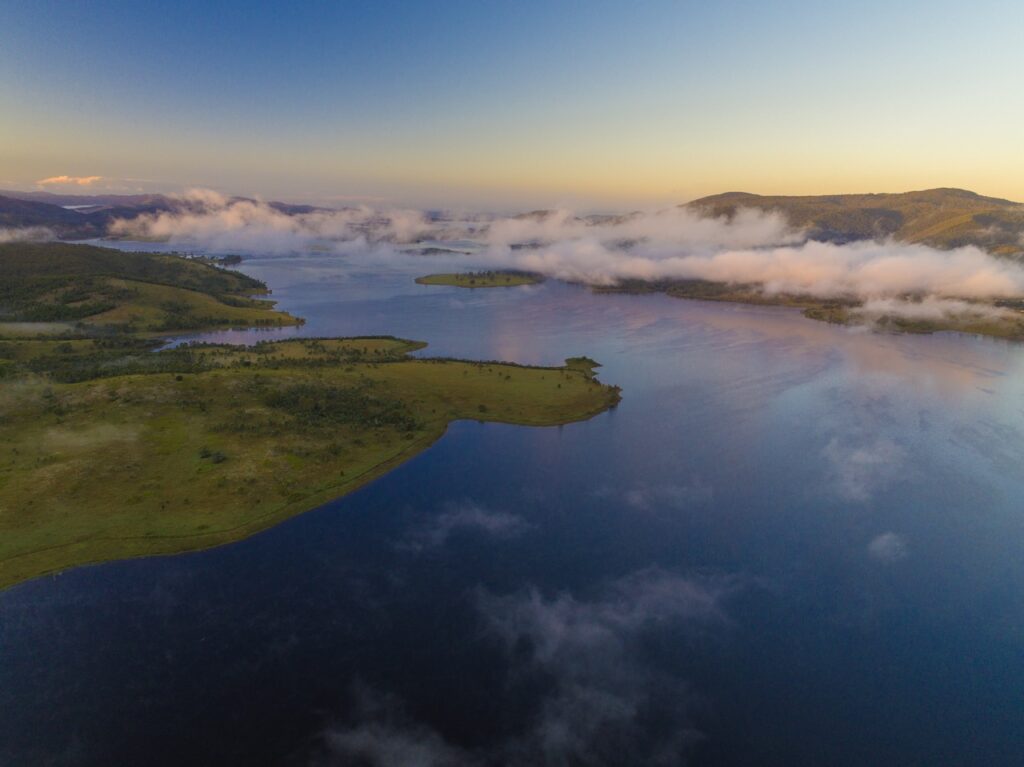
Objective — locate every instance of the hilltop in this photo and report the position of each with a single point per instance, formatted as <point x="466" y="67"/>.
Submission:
<point x="942" y="218"/>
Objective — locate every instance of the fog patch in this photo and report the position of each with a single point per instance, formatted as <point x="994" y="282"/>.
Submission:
<point x="26" y="234"/>
<point x="662" y="232"/>
<point x="927" y="309"/>
<point x="210" y="220"/>
<point x="754" y="249"/>
<point x="861" y="270"/>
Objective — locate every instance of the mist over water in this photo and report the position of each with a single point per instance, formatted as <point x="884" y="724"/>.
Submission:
<point x="791" y="543"/>
<point x="750" y="248"/>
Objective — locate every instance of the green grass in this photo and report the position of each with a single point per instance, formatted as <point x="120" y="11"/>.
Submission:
<point x="111" y="449"/>
<point x="493" y="279"/>
<point x="217" y="442"/>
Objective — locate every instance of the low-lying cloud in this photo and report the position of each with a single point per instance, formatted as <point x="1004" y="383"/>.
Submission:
<point x="210" y="220"/>
<point x="928" y="309"/>
<point x="26" y="234"/>
<point x="755" y="249"/>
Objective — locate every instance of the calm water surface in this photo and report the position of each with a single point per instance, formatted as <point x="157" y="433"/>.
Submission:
<point x="790" y="544"/>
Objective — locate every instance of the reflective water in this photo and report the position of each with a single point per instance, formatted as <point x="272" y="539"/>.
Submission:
<point x="791" y="543"/>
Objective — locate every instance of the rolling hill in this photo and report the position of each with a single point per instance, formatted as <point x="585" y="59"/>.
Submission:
<point x="942" y="218"/>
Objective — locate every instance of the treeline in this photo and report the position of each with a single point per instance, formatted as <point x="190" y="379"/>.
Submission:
<point x="319" y="406"/>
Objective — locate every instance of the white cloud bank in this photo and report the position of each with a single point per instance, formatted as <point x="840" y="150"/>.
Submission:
<point x="213" y="221"/>
<point x="752" y="248"/>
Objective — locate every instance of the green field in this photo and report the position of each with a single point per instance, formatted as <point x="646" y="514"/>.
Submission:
<point x="112" y="449"/>
<point x="495" y="279"/>
<point x="241" y="438"/>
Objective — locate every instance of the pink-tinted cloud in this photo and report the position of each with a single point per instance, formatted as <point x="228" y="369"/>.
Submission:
<point x="70" y="180"/>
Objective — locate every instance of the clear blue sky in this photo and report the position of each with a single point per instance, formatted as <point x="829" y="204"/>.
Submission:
<point x="486" y="103"/>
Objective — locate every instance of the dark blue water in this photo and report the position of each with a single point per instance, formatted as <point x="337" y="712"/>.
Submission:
<point x="791" y="543"/>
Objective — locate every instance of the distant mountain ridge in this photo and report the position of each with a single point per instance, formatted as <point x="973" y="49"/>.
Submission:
<point x="99" y="200"/>
<point x="92" y="214"/>
<point x="943" y="218"/>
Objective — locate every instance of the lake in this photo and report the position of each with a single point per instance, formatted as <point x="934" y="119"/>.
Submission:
<point x="791" y="543"/>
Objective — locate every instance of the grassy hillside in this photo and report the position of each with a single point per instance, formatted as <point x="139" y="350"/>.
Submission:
<point x="102" y="287"/>
<point x="212" y="443"/>
<point x="943" y="218"/>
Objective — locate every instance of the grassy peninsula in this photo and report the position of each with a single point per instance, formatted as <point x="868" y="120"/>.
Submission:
<point x="110" y="449"/>
<point x="488" y="279"/>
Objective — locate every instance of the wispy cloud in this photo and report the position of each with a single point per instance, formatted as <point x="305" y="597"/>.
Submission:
<point x="384" y="735"/>
<point x="595" y="713"/>
<point x="464" y="516"/>
<point x="584" y="652"/>
<point x="888" y="547"/>
<point x="669" y="495"/>
<point x="69" y="180"/>
<point x="862" y="467"/>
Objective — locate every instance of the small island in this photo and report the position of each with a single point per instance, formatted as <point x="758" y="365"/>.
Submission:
<point x="111" y="447"/>
<point x="487" y="279"/>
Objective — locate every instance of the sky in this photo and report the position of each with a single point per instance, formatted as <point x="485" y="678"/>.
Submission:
<point x="512" y="105"/>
